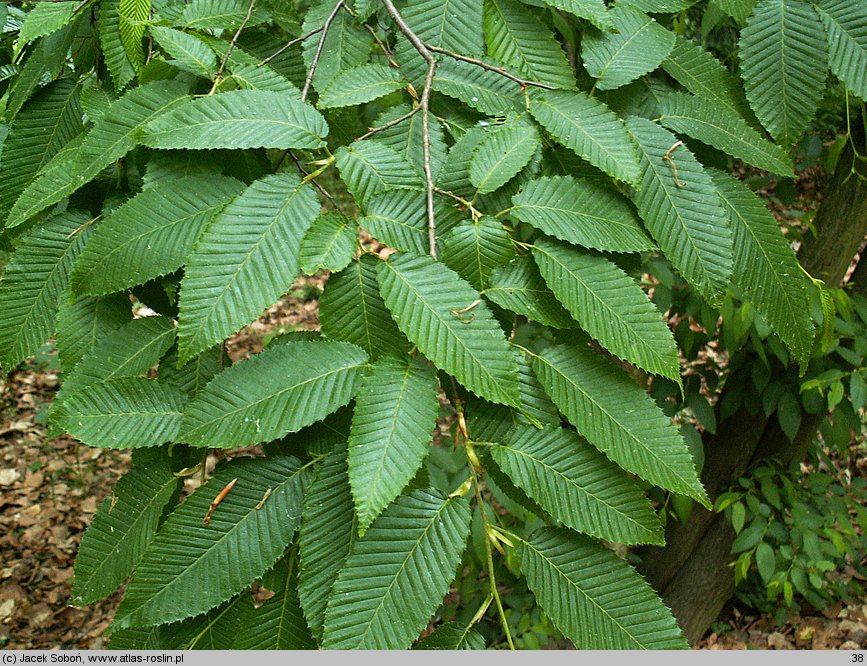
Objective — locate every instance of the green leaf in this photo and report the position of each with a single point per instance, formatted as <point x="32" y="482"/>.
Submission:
<point x="213" y="630"/>
<point x="397" y="574"/>
<point x="129" y="351"/>
<point x="688" y="222"/>
<point x="578" y="485"/>
<point x="718" y="127"/>
<point x="82" y="322"/>
<point x="217" y="14"/>
<point x="34" y="279"/>
<point x="329" y="243"/>
<point x="789" y="415"/>
<point x="359" y="85"/>
<point x="352" y="309"/>
<point x="484" y="91"/>
<point x="449" y="24"/>
<point x="610" y="306"/>
<point x="328" y="530"/>
<point x="662" y="6"/>
<point x="442" y="314"/>
<point x="369" y="168"/>
<point x="596" y="599"/>
<point x="122" y="413"/>
<point x="279" y="623"/>
<point x="590" y="129"/>
<point x="238" y="119"/>
<point x="845" y="24"/>
<point x="133" y="16"/>
<point x="765" y="267"/>
<point x="49" y="121"/>
<point x="739" y="10"/>
<point x="637" y="47"/>
<point x="857" y="390"/>
<point x="108" y="141"/>
<point x="111" y="43"/>
<point x="452" y="636"/>
<point x="581" y="212"/>
<point x="191" y="567"/>
<point x="703" y="75"/>
<point x="765" y="561"/>
<point x="280" y="390"/>
<point x="592" y="10"/>
<point x="395" y="414"/>
<point x="520" y="288"/>
<point x="501" y="155"/>
<point x="193" y="376"/>
<point x="151" y="234"/>
<point x="407" y="138"/>
<point x="190" y="53"/>
<point x="43" y="19"/>
<point x="516" y="37"/>
<point x="475" y="248"/>
<point x="346" y="45"/>
<point x="455" y="173"/>
<point x="618" y="417"/>
<point x="122" y="528"/>
<point x="254" y="243"/>
<point x="399" y="219"/>
<point x="784" y="64"/>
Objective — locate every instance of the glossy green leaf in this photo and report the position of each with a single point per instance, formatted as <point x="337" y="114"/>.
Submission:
<point x="328" y="530"/>
<point x="520" y="288"/>
<point x="637" y="47"/>
<point x="395" y="414"/>
<point x="845" y="24"/>
<point x="280" y="390"/>
<point x="397" y="574"/>
<point x="191" y="567"/>
<point x="34" y="279"/>
<point x="475" y="248"/>
<point x="122" y="413"/>
<point x="615" y="415"/>
<point x="683" y="211"/>
<point x="581" y="212"/>
<point x="151" y="234"/>
<point x="122" y="528"/>
<point x="329" y="243"/>
<point x="442" y="314"/>
<point x="244" y="261"/>
<point x="716" y="126"/>
<point x="578" y="485"/>
<point x="519" y="40"/>
<point x="369" y="168"/>
<point x="500" y="155"/>
<point x="610" y="306"/>
<point x="238" y="119"/>
<point x="359" y="85"/>
<point x="765" y="267"/>
<point x="188" y="51"/>
<point x="784" y="64"/>
<point x="590" y="129"/>
<point x="596" y="599"/>
<point x="450" y="24"/>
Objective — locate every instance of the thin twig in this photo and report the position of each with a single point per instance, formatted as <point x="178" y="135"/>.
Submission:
<point x="231" y="47"/>
<point x="424" y="104"/>
<point x="384" y="48"/>
<point x="319" y="187"/>
<point x="290" y="43"/>
<point x="319" y="46"/>
<point x="491" y="68"/>
<point x="390" y="123"/>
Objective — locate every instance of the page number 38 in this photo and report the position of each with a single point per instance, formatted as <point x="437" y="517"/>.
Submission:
<point x="857" y="658"/>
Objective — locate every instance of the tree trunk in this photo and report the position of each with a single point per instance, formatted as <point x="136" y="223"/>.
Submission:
<point x="691" y="571"/>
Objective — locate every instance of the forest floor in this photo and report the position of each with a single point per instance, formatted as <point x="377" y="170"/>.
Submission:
<point x="50" y="489"/>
